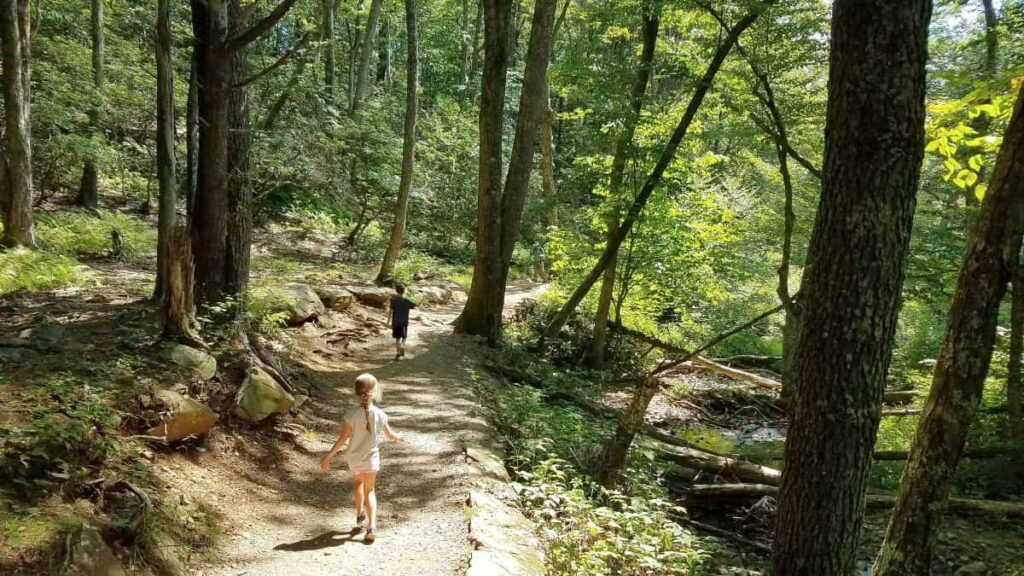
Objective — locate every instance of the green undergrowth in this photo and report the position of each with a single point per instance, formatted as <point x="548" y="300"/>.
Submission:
<point x="26" y="271"/>
<point x="82" y="233"/>
<point x="585" y="528"/>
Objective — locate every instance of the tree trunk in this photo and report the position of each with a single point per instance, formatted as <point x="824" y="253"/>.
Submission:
<point x="179" y="308"/>
<point x="991" y="37"/>
<point x="612" y="246"/>
<point x="547" y="161"/>
<point x="365" y="54"/>
<point x="850" y="294"/>
<point x="327" y="35"/>
<point x="613" y="457"/>
<point x="1014" y="416"/>
<point x="165" y="161"/>
<point x="15" y="34"/>
<point x="499" y="212"/>
<point x="650" y="39"/>
<point x="474" y="59"/>
<point x="385" y="72"/>
<point x="464" y="40"/>
<point x="88" y="191"/>
<point x="959" y="378"/>
<point x="239" y="230"/>
<point x="387" y="265"/>
<point x="210" y="215"/>
<point x="192" y="134"/>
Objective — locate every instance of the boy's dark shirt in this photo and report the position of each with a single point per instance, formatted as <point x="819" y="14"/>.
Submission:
<point x="400" y="308"/>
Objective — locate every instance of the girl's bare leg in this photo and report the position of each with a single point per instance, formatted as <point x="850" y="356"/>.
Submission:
<point x="369" y="481"/>
<point x="358" y="492"/>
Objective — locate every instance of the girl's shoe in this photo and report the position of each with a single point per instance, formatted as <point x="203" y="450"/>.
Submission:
<point x="371" y="535"/>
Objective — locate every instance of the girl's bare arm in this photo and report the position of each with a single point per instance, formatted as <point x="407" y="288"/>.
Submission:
<point x="346" y="433"/>
<point x="390" y="434"/>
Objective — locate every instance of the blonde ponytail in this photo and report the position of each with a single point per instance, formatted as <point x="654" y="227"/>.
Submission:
<point x="368" y="390"/>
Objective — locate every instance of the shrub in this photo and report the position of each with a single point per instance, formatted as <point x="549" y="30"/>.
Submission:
<point x="23" y="270"/>
<point x="89" y="234"/>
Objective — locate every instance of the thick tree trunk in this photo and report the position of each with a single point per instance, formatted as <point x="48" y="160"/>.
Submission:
<point x="387" y="265"/>
<point x="165" y="161"/>
<point x="850" y="294"/>
<point x="88" y="190"/>
<point x="239" y="239"/>
<point x="612" y="246"/>
<point x="365" y="54"/>
<point x="1014" y="416"/>
<point x="210" y="215"/>
<point x="15" y="34"/>
<point x="499" y="212"/>
<point x="610" y="463"/>
<point x="327" y="36"/>
<point x="959" y="378"/>
<point x="636" y="99"/>
<point x="191" y="134"/>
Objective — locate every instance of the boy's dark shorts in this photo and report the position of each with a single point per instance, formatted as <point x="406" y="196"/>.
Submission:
<point x="400" y="331"/>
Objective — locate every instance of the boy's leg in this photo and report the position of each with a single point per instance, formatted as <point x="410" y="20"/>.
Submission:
<point x="369" y="481"/>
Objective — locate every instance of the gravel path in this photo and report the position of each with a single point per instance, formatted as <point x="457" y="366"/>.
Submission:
<point x="286" y="519"/>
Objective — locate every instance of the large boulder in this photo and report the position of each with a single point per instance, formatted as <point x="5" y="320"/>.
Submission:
<point x="301" y="302"/>
<point x="191" y="361"/>
<point x="371" y="295"/>
<point x="336" y="298"/>
<point x="181" y="417"/>
<point x="89" y="555"/>
<point x="260" y="396"/>
<point x="432" y="294"/>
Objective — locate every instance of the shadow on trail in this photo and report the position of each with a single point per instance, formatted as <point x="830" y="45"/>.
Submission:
<point x="326" y="540"/>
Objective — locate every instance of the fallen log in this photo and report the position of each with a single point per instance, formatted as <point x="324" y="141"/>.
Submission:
<point x="902" y="412"/>
<point x="720" y="532"/>
<point x="737" y="492"/>
<point x="749" y="361"/>
<point x="900" y="396"/>
<point x="721" y="465"/>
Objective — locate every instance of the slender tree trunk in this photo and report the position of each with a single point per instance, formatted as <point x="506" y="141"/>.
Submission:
<point x="387" y="265"/>
<point x="959" y="378"/>
<point x="991" y="37"/>
<point x="636" y="99"/>
<point x="613" y="457"/>
<point x="850" y="294"/>
<point x="464" y="39"/>
<point x="327" y="35"/>
<point x="279" y="103"/>
<point x="15" y="34"/>
<point x="499" y="212"/>
<point x="365" y="54"/>
<point x="1014" y="412"/>
<point x="385" y="70"/>
<point x="165" y="161"/>
<point x="474" y="58"/>
<point x="88" y="191"/>
<point x="612" y="246"/>
<point x="547" y="161"/>
<point x="192" y="134"/>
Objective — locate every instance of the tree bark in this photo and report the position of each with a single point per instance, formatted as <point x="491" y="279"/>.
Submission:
<point x="622" y="144"/>
<point x="179" y="307"/>
<point x="547" y="161"/>
<point x="15" y="34"/>
<point x="991" y="37"/>
<point x="464" y="39"/>
<point x="850" y="294"/>
<point x="613" y="456"/>
<point x="327" y="36"/>
<point x="88" y="190"/>
<point x="499" y="211"/>
<point x="990" y="258"/>
<point x="474" y="59"/>
<point x="365" y="54"/>
<point x="239" y="229"/>
<point x="1014" y="416"/>
<point x="165" y="161"/>
<point x="612" y="246"/>
<point x="192" y="134"/>
<point x="387" y="265"/>
<point x="385" y="71"/>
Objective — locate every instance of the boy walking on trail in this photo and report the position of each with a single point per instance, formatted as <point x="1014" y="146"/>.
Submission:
<point x="398" y="319"/>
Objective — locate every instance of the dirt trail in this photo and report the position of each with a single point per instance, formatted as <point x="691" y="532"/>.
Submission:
<point x="284" y="518"/>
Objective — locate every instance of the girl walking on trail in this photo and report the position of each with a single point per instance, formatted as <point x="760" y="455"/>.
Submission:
<point x="363" y="425"/>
